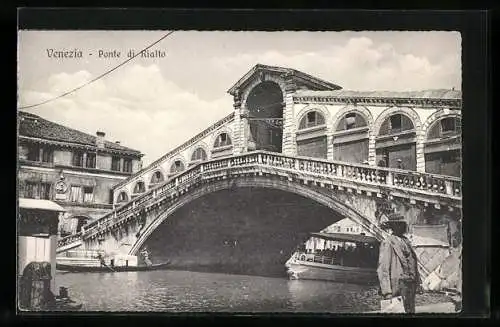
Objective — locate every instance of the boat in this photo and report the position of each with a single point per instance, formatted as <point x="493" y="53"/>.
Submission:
<point x="346" y="258"/>
<point x="98" y="261"/>
<point x="107" y="268"/>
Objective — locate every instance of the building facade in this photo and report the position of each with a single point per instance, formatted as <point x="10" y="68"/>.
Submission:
<point x="74" y="169"/>
<point x="287" y="111"/>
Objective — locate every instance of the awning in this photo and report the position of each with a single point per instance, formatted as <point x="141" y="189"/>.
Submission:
<point x="346" y="237"/>
<point x="39" y="205"/>
<point x="420" y="241"/>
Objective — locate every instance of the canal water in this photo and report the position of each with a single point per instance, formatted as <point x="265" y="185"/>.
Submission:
<point x="186" y="291"/>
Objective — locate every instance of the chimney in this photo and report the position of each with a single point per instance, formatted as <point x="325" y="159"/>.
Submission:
<point x="99" y="142"/>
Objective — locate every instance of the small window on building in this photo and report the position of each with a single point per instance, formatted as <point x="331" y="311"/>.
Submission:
<point x="157" y="177"/>
<point x="35" y="190"/>
<point x="222" y="140"/>
<point x="127" y="165"/>
<point x="91" y="160"/>
<point x="88" y="194"/>
<point x="139" y="187"/>
<point x="350" y="121"/>
<point x="33" y="153"/>
<point x="448" y="125"/>
<point x="176" y="167"/>
<point x="48" y="155"/>
<point x="396" y="122"/>
<point x="76" y="194"/>
<point x="312" y="119"/>
<point x="122" y="197"/>
<point x="44" y="191"/>
<point x="30" y="190"/>
<point x="115" y="163"/>
<point x="199" y="154"/>
<point x="78" y="159"/>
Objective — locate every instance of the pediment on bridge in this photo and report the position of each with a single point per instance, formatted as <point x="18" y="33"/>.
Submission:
<point x="301" y="80"/>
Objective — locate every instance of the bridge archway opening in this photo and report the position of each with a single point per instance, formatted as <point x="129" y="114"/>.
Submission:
<point x="246" y="230"/>
<point x="396" y="143"/>
<point x="265" y="109"/>
<point x="443" y="147"/>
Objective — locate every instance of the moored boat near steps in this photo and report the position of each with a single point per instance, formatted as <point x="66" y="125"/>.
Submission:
<point x="351" y="259"/>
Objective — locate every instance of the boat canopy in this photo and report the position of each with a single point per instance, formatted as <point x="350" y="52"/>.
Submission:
<point x="39" y="205"/>
<point x="347" y="237"/>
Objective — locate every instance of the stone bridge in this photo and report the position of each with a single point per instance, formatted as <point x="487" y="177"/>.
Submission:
<point x="351" y="190"/>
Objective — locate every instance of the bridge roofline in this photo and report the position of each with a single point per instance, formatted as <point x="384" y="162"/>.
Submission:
<point x="184" y="145"/>
<point x="437" y="97"/>
<point x="281" y="70"/>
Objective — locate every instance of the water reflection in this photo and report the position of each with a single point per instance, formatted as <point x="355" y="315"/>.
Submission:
<point x="186" y="291"/>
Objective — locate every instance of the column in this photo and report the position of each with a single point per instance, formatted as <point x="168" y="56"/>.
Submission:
<point x="84" y="163"/>
<point x="40" y="154"/>
<point x="120" y="167"/>
<point x="419" y="149"/>
<point x="239" y="140"/>
<point x="289" y="132"/>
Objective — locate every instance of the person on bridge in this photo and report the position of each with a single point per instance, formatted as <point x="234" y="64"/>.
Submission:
<point x="398" y="266"/>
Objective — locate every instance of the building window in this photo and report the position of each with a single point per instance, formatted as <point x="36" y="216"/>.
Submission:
<point x="78" y="159"/>
<point x="91" y="160"/>
<point x="139" y="187"/>
<point x="76" y="194"/>
<point x="157" y="177"/>
<point x="47" y="155"/>
<point x="222" y="140"/>
<point x="199" y="154"/>
<point x="115" y="163"/>
<point x="176" y="167"/>
<point x="396" y="122"/>
<point x="350" y="121"/>
<point x="448" y="125"/>
<point x="127" y="165"/>
<point x="88" y="194"/>
<point x="33" y="153"/>
<point x="122" y="197"/>
<point x="35" y="190"/>
<point x="312" y="119"/>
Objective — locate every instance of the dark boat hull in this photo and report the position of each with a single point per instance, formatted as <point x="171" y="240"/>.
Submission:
<point x="74" y="268"/>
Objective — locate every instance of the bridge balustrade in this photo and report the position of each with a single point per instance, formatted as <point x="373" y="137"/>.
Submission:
<point x="322" y="170"/>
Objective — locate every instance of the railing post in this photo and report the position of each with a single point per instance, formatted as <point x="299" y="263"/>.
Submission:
<point x="259" y="158"/>
<point x="449" y="187"/>
<point x="389" y="178"/>
<point x="296" y="164"/>
<point x="176" y="181"/>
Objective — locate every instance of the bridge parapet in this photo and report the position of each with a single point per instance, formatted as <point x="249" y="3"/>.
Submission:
<point x="415" y="186"/>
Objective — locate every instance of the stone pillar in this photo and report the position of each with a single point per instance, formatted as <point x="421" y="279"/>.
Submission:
<point x="329" y="146"/>
<point x="289" y="146"/>
<point x="84" y="163"/>
<point x="239" y="125"/>
<point x="372" y="152"/>
<point x="420" y="155"/>
<point x="40" y="154"/>
<point x="120" y="167"/>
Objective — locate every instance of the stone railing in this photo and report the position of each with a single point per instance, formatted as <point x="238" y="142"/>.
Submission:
<point x="69" y="239"/>
<point x="317" y="170"/>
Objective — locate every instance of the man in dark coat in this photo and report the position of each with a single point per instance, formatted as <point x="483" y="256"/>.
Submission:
<point x="398" y="266"/>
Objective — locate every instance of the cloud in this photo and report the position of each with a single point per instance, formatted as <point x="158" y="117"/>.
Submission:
<point x="139" y="107"/>
<point x="359" y="64"/>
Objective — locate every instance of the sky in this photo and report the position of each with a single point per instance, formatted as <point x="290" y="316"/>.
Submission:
<point x="155" y="104"/>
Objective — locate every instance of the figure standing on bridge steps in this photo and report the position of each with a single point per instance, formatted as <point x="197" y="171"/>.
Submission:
<point x="398" y="266"/>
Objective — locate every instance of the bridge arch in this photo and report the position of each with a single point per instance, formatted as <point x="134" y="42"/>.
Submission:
<point x="196" y="153"/>
<point x="324" y="198"/>
<point x="352" y="130"/>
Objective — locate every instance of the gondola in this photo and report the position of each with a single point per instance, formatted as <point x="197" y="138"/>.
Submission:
<point x="106" y="268"/>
